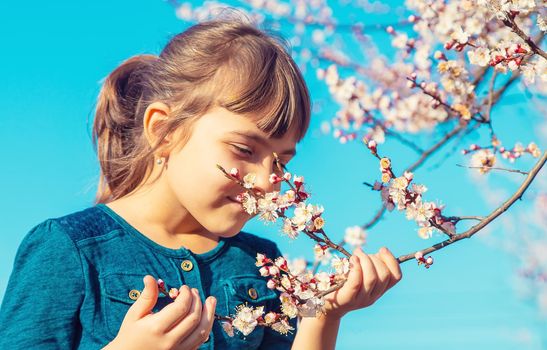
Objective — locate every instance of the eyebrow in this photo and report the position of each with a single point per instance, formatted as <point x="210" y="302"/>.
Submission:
<point x="259" y="139"/>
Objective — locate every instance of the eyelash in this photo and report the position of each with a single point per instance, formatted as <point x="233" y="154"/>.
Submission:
<point x="248" y="152"/>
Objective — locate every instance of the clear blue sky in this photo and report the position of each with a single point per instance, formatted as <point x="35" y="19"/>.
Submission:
<point x="54" y="55"/>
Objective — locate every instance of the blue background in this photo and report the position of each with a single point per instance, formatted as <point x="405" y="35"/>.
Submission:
<point x="54" y="55"/>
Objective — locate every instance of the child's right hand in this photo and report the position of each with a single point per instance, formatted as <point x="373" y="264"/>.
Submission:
<point x="183" y="324"/>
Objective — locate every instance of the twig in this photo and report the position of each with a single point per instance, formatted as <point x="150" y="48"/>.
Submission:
<point x="490" y="97"/>
<point x="440" y="228"/>
<point x="509" y="21"/>
<point x="495" y="168"/>
<point x="459" y="218"/>
<point x="500" y="210"/>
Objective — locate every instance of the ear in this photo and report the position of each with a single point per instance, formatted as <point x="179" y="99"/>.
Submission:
<point x="155" y="114"/>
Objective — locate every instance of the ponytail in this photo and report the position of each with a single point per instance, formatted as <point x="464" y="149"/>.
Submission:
<point x="115" y="125"/>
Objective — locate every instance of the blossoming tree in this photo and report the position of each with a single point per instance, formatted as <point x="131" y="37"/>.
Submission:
<point x="448" y="65"/>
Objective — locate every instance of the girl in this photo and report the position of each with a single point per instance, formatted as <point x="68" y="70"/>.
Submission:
<point x="222" y="92"/>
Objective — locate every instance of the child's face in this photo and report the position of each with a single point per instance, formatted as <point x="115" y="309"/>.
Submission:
<point x="202" y="189"/>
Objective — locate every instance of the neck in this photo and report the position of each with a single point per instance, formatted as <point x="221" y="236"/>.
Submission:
<point x="157" y="214"/>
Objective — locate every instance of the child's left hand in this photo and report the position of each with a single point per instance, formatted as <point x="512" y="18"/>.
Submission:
<point x="369" y="278"/>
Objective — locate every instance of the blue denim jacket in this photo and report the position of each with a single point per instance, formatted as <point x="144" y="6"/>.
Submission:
<point x="75" y="277"/>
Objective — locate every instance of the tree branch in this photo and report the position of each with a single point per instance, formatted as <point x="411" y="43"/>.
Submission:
<point x="500" y="210"/>
<point x="509" y="21"/>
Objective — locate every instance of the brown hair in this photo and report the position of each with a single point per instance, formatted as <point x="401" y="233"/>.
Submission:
<point x="227" y="63"/>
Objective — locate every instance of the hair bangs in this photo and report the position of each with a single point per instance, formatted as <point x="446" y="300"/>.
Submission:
<point x="272" y="92"/>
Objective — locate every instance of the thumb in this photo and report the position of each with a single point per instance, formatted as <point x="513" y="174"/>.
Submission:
<point x="146" y="301"/>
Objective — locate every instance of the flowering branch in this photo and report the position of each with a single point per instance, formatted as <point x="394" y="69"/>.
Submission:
<point x="509" y="21"/>
<point x="427" y="153"/>
<point x="497" y="212"/>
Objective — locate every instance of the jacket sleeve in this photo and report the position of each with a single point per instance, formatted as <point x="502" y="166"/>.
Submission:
<point x="274" y="340"/>
<point x="40" y="309"/>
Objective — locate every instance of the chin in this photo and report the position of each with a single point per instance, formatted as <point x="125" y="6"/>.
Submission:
<point x="228" y="231"/>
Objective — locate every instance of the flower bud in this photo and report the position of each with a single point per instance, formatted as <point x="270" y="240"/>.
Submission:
<point x="385" y="163"/>
<point x="448" y="45"/>
<point x="234" y="172"/>
<point x="439" y="55"/>
<point x="274" y="179"/>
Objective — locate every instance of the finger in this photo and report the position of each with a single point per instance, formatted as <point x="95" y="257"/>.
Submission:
<point x="384" y="276"/>
<point x="146" y="301"/>
<point x="370" y="277"/>
<point x="174" y="312"/>
<point x="354" y="282"/>
<point x="185" y="327"/>
<point x="202" y="331"/>
<point x="392" y="264"/>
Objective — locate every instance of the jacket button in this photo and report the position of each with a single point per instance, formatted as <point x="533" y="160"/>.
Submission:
<point x="134" y="294"/>
<point x="187" y="265"/>
<point x="252" y="293"/>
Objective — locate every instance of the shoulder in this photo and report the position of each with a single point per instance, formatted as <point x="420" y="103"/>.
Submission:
<point x="76" y="226"/>
<point x="254" y="244"/>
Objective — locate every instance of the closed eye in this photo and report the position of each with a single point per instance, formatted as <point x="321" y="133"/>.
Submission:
<point x="248" y="152"/>
<point x="243" y="150"/>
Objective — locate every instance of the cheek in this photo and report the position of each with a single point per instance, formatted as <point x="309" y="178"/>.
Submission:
<point x="197" y="181"/>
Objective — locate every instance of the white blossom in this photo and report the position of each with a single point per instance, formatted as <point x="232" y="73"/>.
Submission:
<point x="479" y="56"/>
<point x="267" y="207"/>
<point x="249" y="180"/>
<point x="249" y="203"/>
<point x="460" y="35"/>
<point x="282" y="327"/>
<point x="323" y="281"/>
<point x="341" y="266"/>
<point x="355" y="236"/>
<point x="245" y="319"/>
